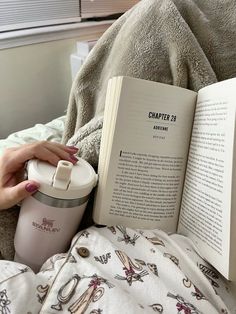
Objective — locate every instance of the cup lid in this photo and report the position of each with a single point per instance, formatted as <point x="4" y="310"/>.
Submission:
<point x="66" y="181"/>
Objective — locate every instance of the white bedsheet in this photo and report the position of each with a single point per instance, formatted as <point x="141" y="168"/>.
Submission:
<point x="51" y="131"/>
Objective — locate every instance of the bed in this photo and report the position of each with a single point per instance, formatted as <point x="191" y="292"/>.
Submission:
<point x="116" y="269"/>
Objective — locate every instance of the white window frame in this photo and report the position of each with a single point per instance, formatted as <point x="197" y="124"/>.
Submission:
<point x="25" y="32"/>
<point x="82" y="30"/>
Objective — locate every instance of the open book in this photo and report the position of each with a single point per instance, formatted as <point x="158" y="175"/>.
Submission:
<point x="167" y="161"/>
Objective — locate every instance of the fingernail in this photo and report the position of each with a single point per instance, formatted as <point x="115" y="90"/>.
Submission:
<point x="73" y="158"/>
<point x="73" y="148"/>
<point x="31" y="187"/>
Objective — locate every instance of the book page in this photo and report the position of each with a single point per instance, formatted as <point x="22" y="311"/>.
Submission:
<point x="110" y="113"/>
<point x="206" y="204"/>
<point x="146" y="158"/>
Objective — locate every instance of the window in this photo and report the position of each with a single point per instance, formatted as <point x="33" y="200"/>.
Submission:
<point x="90" y="8"/>
<point x="24" y="22"/>
<point x="23" y="14"/>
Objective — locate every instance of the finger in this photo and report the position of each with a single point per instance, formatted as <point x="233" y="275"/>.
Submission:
<point x="13" y="159"/>
<point x="60" y="152"/>
<point x="69" y="149"/>
<point x="14" y="195"/>
<point x="63" y="153"/>
<point x="49" y="156"/>
<point x="57" y="147"/>
<point x="46" y="151"/>
<point x="54" y="157"/>
<point x="10" y="179"/>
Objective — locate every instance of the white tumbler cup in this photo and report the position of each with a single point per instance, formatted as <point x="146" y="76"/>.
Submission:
<point x="49" y="218"/>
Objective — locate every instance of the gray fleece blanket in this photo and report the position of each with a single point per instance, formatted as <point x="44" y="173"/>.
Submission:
<point x="188" y="43"/>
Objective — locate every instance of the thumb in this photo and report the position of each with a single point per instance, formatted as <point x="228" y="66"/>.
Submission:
<point x="22" y="190"/>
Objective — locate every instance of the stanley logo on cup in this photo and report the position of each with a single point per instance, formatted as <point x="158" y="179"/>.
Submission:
<point x="47" y="225"/>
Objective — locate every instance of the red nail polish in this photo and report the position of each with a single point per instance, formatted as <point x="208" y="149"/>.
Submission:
<point x="30" y="187"/>
<point x="73" y="158"/>
<point x="73" y="148"/>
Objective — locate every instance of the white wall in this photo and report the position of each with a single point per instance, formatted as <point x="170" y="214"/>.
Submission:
<point x="35" y="81"/>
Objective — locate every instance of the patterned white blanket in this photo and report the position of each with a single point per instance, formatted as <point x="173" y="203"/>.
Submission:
<point x="117" y="270"/>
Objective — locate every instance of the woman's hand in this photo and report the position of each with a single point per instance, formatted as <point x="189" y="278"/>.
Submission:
<point x="12" y="164"/>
